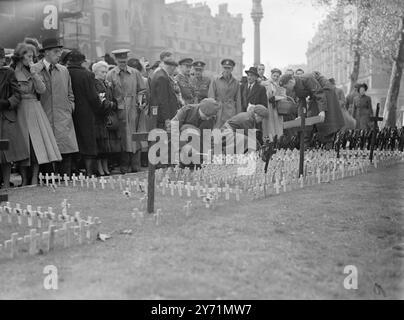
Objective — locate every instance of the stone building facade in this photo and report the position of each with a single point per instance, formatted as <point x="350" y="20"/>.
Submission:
<point x="147" y="27"/>
<point x="335" y="61"/>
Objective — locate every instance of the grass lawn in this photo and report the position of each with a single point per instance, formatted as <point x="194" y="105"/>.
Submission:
<point x="295" y="245"/>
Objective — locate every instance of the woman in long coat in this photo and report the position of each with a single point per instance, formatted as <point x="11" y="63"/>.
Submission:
<point x="363" y="109"/>
<point x="36" y="129"/>
<point x="108" y="141"/>
<point x="88" y="108"/>
<point x="273" y="125"/>
<point x="10" y="129"/>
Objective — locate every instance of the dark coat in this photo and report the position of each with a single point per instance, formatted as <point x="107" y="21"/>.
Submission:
<point x="9" y="127"/>
<point x="88" y="108"/>
<point x="108" y="140"/>
<point x="322" y="98"/>
<point x="257" y="95"/>
<point x="189" y="115"/>
<point x="363" y="111"/>
<point x="163" y="96"/>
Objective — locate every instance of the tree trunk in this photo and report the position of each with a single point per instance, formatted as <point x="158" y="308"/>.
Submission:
<point x="390" y="109"/>
<point x="355" y="71"/>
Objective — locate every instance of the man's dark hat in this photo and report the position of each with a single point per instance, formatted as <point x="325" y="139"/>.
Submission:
<point x="186" y="61"/>
<point x="276" y="70"/>
<point x="228" y="63"/>
<point x="253" y="70"/>
<point x="49" y="44"/>
<point x="2" y="53"/>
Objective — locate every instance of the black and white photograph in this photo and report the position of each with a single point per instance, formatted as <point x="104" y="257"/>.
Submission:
<point x="184" y="150"/>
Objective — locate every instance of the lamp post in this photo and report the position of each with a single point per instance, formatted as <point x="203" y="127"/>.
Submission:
<point x="257" y="14"/>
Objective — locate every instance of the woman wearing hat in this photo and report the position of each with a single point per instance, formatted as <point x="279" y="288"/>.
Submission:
<point x="88" y="108"/>
<point x="37" y="131"/>
<point x="10" y="129"/>
<point x="363" y="109"/>
<point x="273" y="125"/>
<point x="108" y="141"/>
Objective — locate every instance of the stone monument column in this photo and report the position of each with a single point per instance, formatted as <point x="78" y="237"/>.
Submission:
<point x="257" y="14"/>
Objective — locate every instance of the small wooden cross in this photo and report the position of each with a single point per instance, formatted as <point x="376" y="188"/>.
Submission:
<point x="376" y="119"/>
<point x="302" y="124"/>
<point x="74" y="179"/>
<point x="103" y="182"/>
<point x="144" y="136"/>
<point x="94" y="181"/>
<point x="41" y="179"/>
<point x="66" y="180"/>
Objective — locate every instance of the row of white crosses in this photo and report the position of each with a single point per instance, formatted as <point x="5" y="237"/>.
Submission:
<point x="320" y="166"/>
<point x="69" y="230"/>
<point x="139" y="214"/>
<point x="93" y="182"/>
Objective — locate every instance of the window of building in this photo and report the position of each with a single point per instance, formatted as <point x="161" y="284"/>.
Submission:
<point x="105" y="20"/>
<point x="182" y="45"/>
<point x="186" y="26"/>
<point x="7" y="8"/>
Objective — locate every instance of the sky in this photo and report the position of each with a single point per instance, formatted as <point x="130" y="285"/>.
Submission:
<point x="286" y="29"/>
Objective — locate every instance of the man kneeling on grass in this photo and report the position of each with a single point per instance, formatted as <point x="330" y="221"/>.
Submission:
<point x="247" y="122"/>
<point x="195" y="118"/>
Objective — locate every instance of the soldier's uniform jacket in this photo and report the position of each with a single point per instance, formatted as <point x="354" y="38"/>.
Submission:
<point x="187" y="91"/>
<point x="201" y="87"/>
<point x="242" y="121"/>
<point x="189" y="115"/>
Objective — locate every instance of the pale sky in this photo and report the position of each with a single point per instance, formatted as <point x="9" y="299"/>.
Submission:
<point x="286" y="29"/>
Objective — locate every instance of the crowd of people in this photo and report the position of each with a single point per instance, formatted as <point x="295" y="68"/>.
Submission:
<point x="62" y="115"/>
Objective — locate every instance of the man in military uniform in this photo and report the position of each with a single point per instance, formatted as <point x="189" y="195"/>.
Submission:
<point x="225" y="89"/>
<point x="183" y="79"/>
<point x="200" y="83"/>
<point x="244" y="121"/>
<point x="200" y="116"/>
<point x="128" y="88"/>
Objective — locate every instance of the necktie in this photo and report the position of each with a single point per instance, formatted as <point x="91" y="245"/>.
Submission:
<point x="51" y="68"/>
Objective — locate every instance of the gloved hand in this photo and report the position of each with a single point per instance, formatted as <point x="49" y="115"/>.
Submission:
<point x="272" y="100"/>
<point x="4" y="105"/>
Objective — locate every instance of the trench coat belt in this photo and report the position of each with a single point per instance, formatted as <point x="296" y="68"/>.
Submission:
<point x="29" y="97"/>
<point x="227" y="101"/>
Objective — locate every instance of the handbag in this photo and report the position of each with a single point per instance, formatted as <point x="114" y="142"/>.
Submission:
<point x="112" y="121"/>
<point x="286" y="106"/>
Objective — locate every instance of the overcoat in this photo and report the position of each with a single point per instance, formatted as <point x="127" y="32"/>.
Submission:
<point x="34" y="123"/>
<point x="257" y="95"/>
<point x="87" y="110"/>
<point x="9" y="127"/>
<point x="228" y="94"/>
<point x="164" y="97"/>
<point x="363" y="110"/>
<point x="108" y="140"/>
<point x="322" y="97"/>
<point x="58" y="104"/>
<point x="128" y="86"/>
